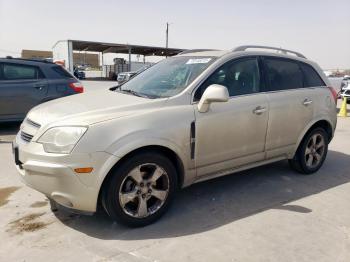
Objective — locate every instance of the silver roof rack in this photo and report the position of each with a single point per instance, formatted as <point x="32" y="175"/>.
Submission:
<point x="284" y="51"/>
<point x="195" y="51"/>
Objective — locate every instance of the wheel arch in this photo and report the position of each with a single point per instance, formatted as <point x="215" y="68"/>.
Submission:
<point x="171" y="154"/>
<point x="323" y="123"/>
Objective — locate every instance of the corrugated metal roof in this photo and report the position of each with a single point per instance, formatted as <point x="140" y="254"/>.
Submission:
<point x="79" y="45"/>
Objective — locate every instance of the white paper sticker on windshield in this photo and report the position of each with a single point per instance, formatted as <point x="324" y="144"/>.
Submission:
<point x="198" y="61"/>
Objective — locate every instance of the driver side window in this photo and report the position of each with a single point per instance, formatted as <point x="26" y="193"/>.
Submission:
<point x="240" y="76"/>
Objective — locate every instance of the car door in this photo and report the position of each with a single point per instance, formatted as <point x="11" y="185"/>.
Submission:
<point x="291" y="105"/>
<point x="232" y="134"/>
<point x="21" y="88"/>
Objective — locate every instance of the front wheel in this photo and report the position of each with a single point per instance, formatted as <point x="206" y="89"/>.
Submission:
<point x="311" y="152"/>
<point x="140" y="190"/>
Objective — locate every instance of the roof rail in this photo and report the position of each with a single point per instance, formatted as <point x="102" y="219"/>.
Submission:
<point x="195" y="51"/>
<point x="42" y="60"/>
<point x="284" y="51"/>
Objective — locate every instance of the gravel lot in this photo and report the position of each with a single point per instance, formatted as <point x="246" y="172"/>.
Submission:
<point x="268" y="213"/>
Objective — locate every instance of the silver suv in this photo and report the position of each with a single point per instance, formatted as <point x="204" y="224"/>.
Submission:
<point x="189" y="118"/>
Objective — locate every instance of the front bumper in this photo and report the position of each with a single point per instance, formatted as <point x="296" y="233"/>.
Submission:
<point x="54" y="175"/>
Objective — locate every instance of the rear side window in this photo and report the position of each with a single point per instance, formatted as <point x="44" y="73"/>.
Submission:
<point x="20" y="72"/>
<point x="311" y="77"/>
<point x="283" y="74"/>
<point x="61" y="72"/>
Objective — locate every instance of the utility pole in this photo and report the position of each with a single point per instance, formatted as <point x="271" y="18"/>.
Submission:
<point x="167" y="39"/>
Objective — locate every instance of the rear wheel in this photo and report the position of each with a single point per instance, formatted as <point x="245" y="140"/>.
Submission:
<point x="140" y="190"/>
<point x="311" y="152"/>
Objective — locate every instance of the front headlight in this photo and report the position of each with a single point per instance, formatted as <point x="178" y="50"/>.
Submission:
<point x="61" y="139"/>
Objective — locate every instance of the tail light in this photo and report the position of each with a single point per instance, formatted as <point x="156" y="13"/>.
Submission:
<point x="77" y="87"/>
<point x="334" y="93"/>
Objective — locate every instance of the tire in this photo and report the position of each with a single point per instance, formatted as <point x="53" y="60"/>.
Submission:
<point x="140" y="190"/>
<point x="53" y="205"/>
<point x="310" y="154"/>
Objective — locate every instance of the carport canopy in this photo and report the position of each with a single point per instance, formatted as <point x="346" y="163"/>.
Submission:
<point x="124" y="48"/>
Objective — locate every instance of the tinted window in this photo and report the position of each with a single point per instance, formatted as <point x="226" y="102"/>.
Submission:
<point x="283" y="74"/>
<point x="240" y="77"/>
<point x="61" y="72"/>
<point x="19" y="72"/>
<point x="311" y="77"/>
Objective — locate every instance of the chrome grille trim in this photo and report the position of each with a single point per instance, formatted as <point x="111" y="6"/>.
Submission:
<point x="26" y="137"/>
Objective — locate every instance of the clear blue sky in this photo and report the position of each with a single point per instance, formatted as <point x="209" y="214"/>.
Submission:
<point x="319" y="29"/>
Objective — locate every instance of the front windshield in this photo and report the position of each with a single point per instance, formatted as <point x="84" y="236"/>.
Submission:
<point x="167" y="78"/>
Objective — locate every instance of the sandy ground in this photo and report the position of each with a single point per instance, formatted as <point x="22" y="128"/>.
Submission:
<point x="268" y="213"/>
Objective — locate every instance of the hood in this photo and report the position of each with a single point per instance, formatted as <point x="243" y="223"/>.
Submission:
<point x="90" y="108"/>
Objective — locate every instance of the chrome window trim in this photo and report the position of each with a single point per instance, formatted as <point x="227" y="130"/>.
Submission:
<point x="221" y="62"/>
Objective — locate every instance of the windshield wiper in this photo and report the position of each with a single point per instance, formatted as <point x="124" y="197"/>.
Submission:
<point x="129" y="91"/>
<point x="114" y="88"/>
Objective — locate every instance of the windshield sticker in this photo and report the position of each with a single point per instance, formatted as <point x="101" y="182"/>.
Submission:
<point x="198" y="61"/>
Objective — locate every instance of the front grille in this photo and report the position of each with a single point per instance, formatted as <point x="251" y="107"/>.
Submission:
<point x="26" y="137"/>
<point x="33" y="123"/>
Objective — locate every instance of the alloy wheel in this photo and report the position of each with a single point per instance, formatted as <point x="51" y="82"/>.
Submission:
<point x="315" y="150"/>
<point x="144" y="190"/>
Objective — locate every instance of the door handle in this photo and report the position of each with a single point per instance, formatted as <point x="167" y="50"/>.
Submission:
<point x="259" y="110"/>
<point x="307" y="102"/>
<point x="39" y="87"/>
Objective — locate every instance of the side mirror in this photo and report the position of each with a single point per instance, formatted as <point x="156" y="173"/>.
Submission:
<point x="213" y="93"/>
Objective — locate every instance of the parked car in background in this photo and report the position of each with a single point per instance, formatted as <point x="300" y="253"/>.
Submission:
<point x="345" y="88"/>
<point x="345" y="92"/>
<point x="80" y="74"/>
<point x="83" y="66"/>
<point x="189" y="118"/>
<point x="126" y="76"/>
<point x="26" y="83"/>
<point x="345" y="82"/>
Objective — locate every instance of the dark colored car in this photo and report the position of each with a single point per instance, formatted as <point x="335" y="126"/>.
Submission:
<point x="26" y="83"/>
<point x="79" y="73"/>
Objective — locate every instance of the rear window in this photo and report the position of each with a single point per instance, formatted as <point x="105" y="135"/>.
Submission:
<point x="283" y="74"/>
<point x="20" y="72"/>
<point x="311" y="77"/>
<point x="61" y="72"/>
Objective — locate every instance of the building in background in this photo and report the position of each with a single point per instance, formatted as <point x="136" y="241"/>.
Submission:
<point x="65" y="50"/>
<point x="79" y="58"/>
<point x="29" y="54"/>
